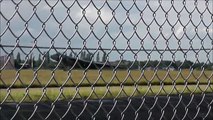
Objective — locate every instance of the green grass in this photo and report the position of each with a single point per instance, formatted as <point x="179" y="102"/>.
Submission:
<point x="94" y="84"/>
<point x="68" y="93"/>
<point x="42" y="78"/>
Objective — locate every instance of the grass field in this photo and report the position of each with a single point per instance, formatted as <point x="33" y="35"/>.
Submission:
<point x="47" y="78"/>
<point x="68" y="93"/>
<point x="46" y="85"/>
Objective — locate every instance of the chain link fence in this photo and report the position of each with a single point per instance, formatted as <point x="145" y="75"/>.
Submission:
<point x="106" y="59"/>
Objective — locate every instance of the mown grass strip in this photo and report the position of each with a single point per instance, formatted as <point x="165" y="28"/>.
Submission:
<point x="69" y="93"/>
<point x="30" y="78"/>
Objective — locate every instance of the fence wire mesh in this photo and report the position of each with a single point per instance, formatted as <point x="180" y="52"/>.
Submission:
<point x="106" y="59"/>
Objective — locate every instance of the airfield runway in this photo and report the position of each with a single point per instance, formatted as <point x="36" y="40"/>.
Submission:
<point x="177" y="107"/>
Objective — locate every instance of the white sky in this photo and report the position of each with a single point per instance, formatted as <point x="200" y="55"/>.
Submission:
<point x="177" y="32"/>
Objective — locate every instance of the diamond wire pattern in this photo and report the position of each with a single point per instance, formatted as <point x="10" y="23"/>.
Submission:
<point x="107" y="23"/>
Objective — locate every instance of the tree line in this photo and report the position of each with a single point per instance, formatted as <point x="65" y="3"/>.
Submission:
<point x="44" y="61"/>
<point x="175" y="65"/>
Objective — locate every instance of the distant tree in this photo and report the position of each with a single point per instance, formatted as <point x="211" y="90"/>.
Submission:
<point x="104" y="58"/>
<point x="154" y="63"/>
<point x="186" y="64"/>
<point x="47" y="60"/>
<point x="74" y="54"/>
<point x="178" y="64"/>
<point x="39" y="61"/>
<point x="142" y="64"/>
<point x="33" y="62"/>
<point x="30" y="61"/>
<point x="132" y="65"/>
<point x="88" y="57"/>
<point x="98" y="57"/>
<point x="210" y="66"/>
<point x="18" y="61"/>
<point x="70" y="55"/>
<point x="18" y="58"/>
<point x="47" y="57"/>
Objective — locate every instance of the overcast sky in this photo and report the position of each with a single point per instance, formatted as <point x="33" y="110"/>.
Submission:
<point x="63" y="23"/>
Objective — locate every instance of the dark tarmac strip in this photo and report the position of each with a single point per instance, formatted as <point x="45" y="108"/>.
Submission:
<point x="172" y="107"/>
